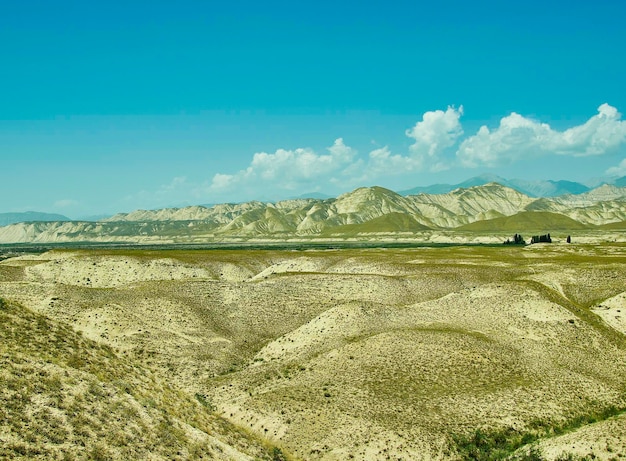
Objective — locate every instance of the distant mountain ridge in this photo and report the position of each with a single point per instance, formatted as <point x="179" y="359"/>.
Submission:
<point x="537" y="188"/>
<point x="30" y="216"/>
<point x="364" y="211"/>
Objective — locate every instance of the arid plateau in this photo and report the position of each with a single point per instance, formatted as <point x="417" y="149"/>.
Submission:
<point x="336" y="353"/>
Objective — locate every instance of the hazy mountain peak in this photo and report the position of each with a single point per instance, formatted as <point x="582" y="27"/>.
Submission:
<point x="488" y="188"/>
<point x="606" y="192"/>
<point x="532" y="188"/>
<point x="30" y="216"/>
<point x="483" y="179"/>
<point x="373" y="191"/>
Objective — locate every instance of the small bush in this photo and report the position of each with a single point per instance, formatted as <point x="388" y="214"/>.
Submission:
<point x="204" y="400"/>
<point x="98" y="453"/>
<point x="278" y="455"/>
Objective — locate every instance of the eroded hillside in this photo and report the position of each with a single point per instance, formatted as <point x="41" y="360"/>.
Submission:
<point x="365" y="354"/>
<point x="63" y="396"/>
<point x="365" y="213"/>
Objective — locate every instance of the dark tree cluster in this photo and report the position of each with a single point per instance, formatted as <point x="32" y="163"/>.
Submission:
<point x="541" y="239"/>
<point x="517" y="240"/>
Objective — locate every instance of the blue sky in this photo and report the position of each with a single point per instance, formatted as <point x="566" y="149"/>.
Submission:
<point x="114" y="106"/>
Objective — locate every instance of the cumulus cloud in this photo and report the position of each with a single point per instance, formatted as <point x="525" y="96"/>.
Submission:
<point x="437" y="131"/>
<point x="382" y="161"/>
<point x="598" y="135"/>
<point x="435" y="134"/>
<point x="619" y="170"/>
<point x="438" y="143"/>
<point x="176" y="183"/>
<point x="518" y="137"/>
<point x="222" y="181"/>
<point x="288" y="169"/>
<point x="302" y="168"/>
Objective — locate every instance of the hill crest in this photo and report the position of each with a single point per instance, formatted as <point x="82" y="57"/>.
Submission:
<point x="369" y="210"/>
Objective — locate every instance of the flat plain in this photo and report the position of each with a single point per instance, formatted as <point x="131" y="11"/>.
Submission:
<point x="431" y="352"/>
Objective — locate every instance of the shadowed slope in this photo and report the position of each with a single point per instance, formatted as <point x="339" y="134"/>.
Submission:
<point x="63" y="395"/>
<point x="392" y="222"/>
<point x="527" y="221"/>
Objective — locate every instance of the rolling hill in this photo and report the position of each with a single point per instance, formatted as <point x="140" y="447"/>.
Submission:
<point x="367" y="210"/>
<point x="526" y="221"/>
<point x="30" y="216"/>
<point x="429" y="353"/>
<point x="64" y="396"/>
<point x="388" y="223"/>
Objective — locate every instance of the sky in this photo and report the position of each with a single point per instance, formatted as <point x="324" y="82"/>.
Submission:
<point x="115" y="106"/>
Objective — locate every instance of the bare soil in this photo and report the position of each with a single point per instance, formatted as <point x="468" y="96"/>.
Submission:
<point x="368" y="354"/>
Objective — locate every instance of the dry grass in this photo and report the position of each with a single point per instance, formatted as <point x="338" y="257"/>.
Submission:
<point x="399" y="353"/>
<point x="66" y="397"/>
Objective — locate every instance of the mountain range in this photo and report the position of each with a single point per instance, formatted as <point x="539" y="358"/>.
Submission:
<point x="30" y="216"/>
<point x="536" y="188"/>
<point x="364" y="211"/>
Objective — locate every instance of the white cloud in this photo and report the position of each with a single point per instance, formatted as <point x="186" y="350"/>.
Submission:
<point x="518" y="137"/>
<point x="437" y="131"/>
<point x="382" y="161"/>
<point x="304" y="169"/>
<point x="340" y="152"/>
<point x="288" y="169"/>
<point x="222" y="181"/>
<point x="619" y="170"/>
<point x="598" y="135"/>
<point x="437" y="137"/>
<point x="177" y="183"/>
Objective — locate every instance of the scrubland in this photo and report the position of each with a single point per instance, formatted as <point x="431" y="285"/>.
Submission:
<point x="452" y="352"/>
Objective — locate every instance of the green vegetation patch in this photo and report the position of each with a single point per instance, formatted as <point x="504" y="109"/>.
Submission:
<point x="620" y="225"/>
<point x="391" y="222"/>
<point x="491" y="445"/>
<point x="526" y="221"/>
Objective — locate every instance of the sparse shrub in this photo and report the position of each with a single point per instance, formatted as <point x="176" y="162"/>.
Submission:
<point x="98" y="419"/>
<point x="534" y="454"/>
<point x="573" y="457"/>
<point x="123" y="386"/>
<point x="204" y="400"/>
<point x="169" y="435"/>
<point x="495" y="445"/>
<point x="76" y="361"/>
<point x="487" y="446"/>
<point x="278" y="455"/>
<point x="98" y="453"/>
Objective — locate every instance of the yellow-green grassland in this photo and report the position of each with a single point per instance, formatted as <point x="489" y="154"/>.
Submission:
<point x="399" y="353"/>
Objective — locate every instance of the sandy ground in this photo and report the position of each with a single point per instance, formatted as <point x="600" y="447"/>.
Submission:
<point x="362" y="354"/>
<point x="613" y="311"/>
